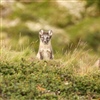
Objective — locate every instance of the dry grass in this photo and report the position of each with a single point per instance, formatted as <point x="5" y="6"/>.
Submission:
<point x="81" y="60"/>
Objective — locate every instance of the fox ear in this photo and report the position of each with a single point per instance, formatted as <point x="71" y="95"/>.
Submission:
<point x="41" y="32"/>
<point x="50" y="32"/>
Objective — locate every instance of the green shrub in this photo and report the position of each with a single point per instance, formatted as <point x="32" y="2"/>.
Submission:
<point x="45" y="80"/>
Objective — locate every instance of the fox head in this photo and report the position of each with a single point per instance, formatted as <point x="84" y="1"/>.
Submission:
<point x="45" y="36"/>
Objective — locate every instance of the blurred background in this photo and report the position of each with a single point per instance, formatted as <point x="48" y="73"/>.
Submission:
<point x="74" y="23"/>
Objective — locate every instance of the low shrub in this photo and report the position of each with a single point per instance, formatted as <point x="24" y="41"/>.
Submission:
<point x="42" y="80"/>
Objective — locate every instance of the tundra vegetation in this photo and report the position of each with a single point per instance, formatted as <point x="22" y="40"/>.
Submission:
<point x="72" y="75"/>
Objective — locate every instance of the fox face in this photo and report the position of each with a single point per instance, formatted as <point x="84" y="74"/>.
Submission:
<point x="45" y="36"/>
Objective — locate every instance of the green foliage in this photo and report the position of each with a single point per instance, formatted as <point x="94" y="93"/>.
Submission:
<point x="91" y="3"/>
<point x="87" y="30"/>
<point x="42" y="80"/>
<point x="50" y="14"/>
<point x="94" y="40"/>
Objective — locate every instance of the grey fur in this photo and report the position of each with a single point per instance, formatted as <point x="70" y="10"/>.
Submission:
<point x="45" y="51"/>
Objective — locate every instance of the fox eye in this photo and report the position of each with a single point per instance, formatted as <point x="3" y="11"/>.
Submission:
<point x="42" y="37"/>
<point x="48" y="38"/>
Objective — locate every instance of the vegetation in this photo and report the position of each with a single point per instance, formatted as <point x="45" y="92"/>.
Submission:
<point x="72" y="75"/>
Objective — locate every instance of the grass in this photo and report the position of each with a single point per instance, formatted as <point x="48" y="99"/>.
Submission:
<point x="46" y="14"/>
<point x="72" y="76"/>
<point x="84" y="26"/>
